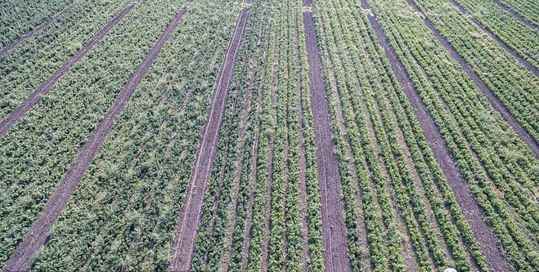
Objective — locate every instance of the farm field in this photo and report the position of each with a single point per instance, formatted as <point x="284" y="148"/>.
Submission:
<point x="249" y="135"/>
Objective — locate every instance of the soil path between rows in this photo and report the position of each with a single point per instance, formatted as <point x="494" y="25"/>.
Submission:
<point x="491" y="97"/>
<point x="39" y="232"/>
<point x="12" y="118"/>
<point x="334" y="229"/>
<point x="509" y="49"/>
<point x="186" y="229"/>
<point x="488" y="242"/>
<point x="523" y="19"/>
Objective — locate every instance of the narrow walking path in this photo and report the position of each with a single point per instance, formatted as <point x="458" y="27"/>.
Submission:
<point x="186" y="229"/>
<point x="334" y="229"/>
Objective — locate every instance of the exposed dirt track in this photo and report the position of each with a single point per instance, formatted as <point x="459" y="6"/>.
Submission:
<point x="186" y="229"/>
<point x="527" y="22"/>
<point x="334" y="229"/>
<point x="492" y="98"/>
<point x="485" y="237"/>
<point x="46" y="86"/>
<point x="523" y="62"/>
<point x="38" y="234"/>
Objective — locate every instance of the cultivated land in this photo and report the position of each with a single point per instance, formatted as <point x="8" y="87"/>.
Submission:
<point x="229" y="135"/>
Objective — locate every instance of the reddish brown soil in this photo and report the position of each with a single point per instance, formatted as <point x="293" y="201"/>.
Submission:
<point x="494" y="101"/>
<point x="46" y="86"/>
<point x="523" y="62"/>
<point x="334" y="229"/>
<point x="356" y="203"/>
<point x="186" y="229"/>
<point x="488" y="242"/>
<point x="38" y="234"/>
<point x="527" y="22"/>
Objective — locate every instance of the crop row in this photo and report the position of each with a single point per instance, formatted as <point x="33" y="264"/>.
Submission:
<point x="35" y="60"/>
<point x="228" y="186"/>
<point x="36" y="153"/>
<point x="276" y="229"/>
<point x="251" y="215"/>
<point x="511" y="83"/>
<point x="19" y="17"/>
<point x="124" y="214"/>
<point x="511" y="31"/>
<point x="373" y="129"/>
<point x="495" y="169"/>
<point x="502" y="180"/>
<point x="528" y="8"/>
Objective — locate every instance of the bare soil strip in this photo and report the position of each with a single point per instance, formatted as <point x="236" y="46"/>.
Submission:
<point x="182" y="247"/>
<point x="494" y="101"/>
<point x="38" y="234"/>
<point x="523" y="62"/>
<point x="487" y="240"/>
<point x="46" y="86"/>
<point x="335" y="243"/>
<point x="357" y="205"/>
<point x="527" y="22"/>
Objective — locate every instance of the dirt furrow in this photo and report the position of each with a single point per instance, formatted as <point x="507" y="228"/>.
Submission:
<point x="527" y="22"/>
<point x="334" y="229"/>
<point x="491" y="97"/>
<point x="186" y="229"/>
<point x="341" y="125"/>
<point x="39" y="232"/>
<point x="521" y="60"/>
<point x="12" y="118"/>
<point x="485" y="237"/>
